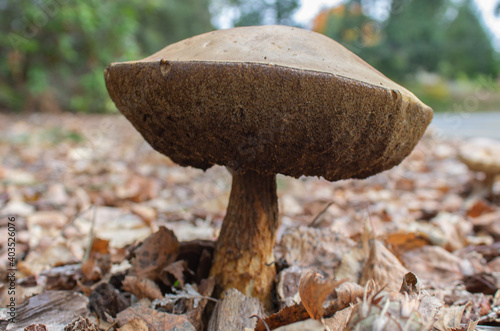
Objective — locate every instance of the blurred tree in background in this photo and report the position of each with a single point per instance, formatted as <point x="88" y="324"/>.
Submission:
<point x="438" y="36"/>
<point x="56" y="50"/>
<point x="258" y="12"/>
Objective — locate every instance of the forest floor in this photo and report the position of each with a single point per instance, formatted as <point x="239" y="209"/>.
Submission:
<point x="82" y="194"/>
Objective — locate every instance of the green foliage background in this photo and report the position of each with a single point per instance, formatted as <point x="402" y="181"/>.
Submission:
<point x="438" y="36"/>
<point x="55" y="51"/>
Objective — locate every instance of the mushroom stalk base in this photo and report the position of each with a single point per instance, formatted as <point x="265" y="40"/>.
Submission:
<point x="244" y="251"/>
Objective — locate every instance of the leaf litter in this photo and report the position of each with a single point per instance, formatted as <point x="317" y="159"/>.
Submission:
<point x="108" y="219"/>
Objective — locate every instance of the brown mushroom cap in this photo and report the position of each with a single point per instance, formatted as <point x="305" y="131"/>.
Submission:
<point x="272" y="99"/>
<point x="481" y="154"/>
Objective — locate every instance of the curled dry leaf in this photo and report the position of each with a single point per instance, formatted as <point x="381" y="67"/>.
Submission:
<point x="409" y="284"/>
<point x="338" y="322"/>
<point x="98" y="263"/>
<point x="137" y="324"/>
<point x="80" y="324"/>
<point x="176" y="270"/>
<point x="285" y="316"/>
<point x="105" y="299"/>
<point x="433" y="263"/>
<point x="154" y="319"/>
<point x="403" y="241"/>
<point x="138" y="189"/>
<point x="313" y="290"/>
<point x="156" y="252"/>
<point x="448" y="318"/>
<point x="142" y="287"/>
<point x="383" y="267"/>
<point x="478" y="207"/>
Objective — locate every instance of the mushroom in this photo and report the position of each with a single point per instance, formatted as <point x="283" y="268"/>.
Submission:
<point x="265" y="100"/>
<point x="483" y="155"/>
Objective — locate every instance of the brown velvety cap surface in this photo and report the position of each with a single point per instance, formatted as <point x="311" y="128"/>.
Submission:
<point x="273" y="99"/>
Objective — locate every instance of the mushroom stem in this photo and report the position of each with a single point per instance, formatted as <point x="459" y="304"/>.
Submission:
<point x="244" y="251"/>
<point x="489" y="181"/>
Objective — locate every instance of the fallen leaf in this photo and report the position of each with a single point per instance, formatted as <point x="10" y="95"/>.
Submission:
<point x="155" y="320"/>
<point x="80" y="324"/>
<point x="383" y="267"/>
<point x="175" y="269"/>
<point x="138" y="188"/>
<point x="137" y="324"/>
<point x="409" y="284"/>
<point x="479" y="207"/>
<point x="105" y="299"/>
<point x="403" y="241"/>
<point x="142" y="287"/>
<point x="313" y="290"/>
<point x="448" y="318"/>
<point x="433" y="263"/>
<point x="157" y="251"/>
<point x="285" y="316"/>
<point x="338" y="322"/>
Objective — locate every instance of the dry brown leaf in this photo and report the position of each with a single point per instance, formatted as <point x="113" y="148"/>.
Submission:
<point x="448" y="318"/>
<point x="433" y="263"/>
<point x="155" y="320"/>
<point x="137" y="324"/>
<point x="479" y="207"/>
<point x="148" y="214"/>
<point x="138" y="188"/>
<point x="90" y="269"/>
<point x="100" y="246"/>
<point x="175" y="269"/>
<point x="403" y="241"/>
<point x="409" y="284"/>
<point x="285" y="316"/>
<point x="352" y="264"/>
<point x="383" y="267"/>
<point x="347" y="293"/>
<point x="81" y="324"/>
<point x="157" y="251"/>
<point x="338" y="322"/>
<point x="98" y="263"/>
<point x="142" y="287"/>
<point x="313" y="290"/>
<point x="455" y="230"/>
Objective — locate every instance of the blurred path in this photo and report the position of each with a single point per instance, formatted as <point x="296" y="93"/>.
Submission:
<point x="477" y="124"/>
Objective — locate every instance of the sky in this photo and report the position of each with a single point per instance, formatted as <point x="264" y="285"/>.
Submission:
<point x="310" y="8"/>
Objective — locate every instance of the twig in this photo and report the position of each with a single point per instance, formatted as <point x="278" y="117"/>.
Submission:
<point x="91" y="236"/>
<point x="315" y="222"/>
